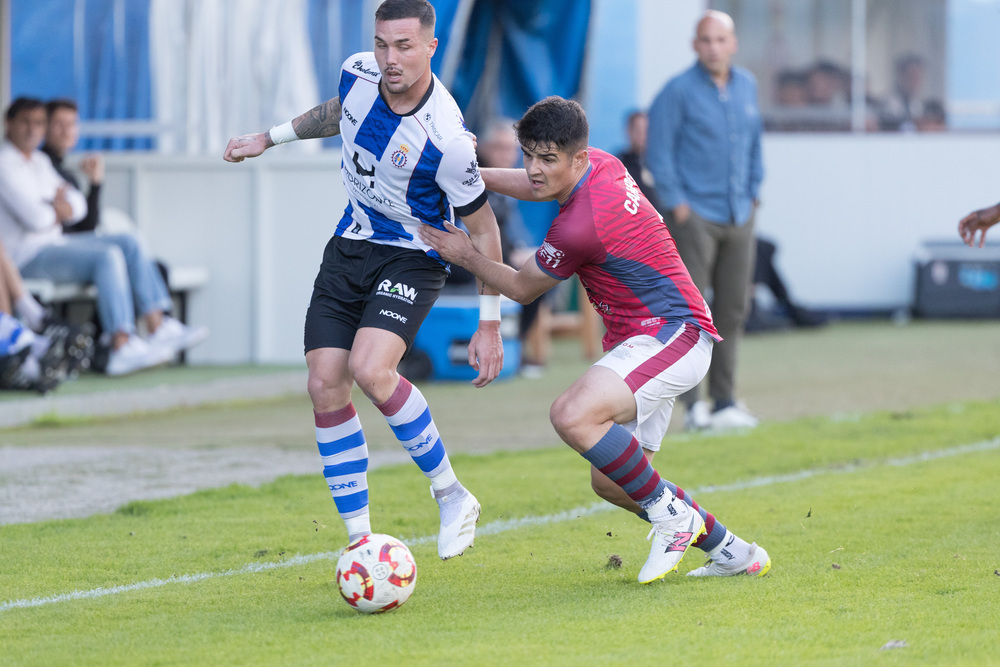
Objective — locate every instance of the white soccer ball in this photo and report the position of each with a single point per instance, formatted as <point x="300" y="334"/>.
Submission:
<point x="376" y="574"/>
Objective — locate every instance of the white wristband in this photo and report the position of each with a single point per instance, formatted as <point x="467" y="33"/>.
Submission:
<point x="282" y="134"/>
<point x="489" y="307"/>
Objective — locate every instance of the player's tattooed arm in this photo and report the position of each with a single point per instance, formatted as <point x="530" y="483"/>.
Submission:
<point x="321" y="121"/>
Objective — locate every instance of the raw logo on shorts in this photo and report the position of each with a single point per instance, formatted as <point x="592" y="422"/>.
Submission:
<point x="399" y="291"/>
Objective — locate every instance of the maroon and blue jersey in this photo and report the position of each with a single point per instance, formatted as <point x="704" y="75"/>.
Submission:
<point x="609" y="234"/>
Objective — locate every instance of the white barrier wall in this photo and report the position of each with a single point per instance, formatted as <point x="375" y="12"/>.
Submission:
<point x="848" y="213"/>
<point x="259" y="227"/>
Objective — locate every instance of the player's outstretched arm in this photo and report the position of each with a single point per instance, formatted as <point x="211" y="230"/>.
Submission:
<point x="511" y="182"/>
<point x="524" y="285"/>
<point x="978" y="221"/>
<point x="321" y="121"/>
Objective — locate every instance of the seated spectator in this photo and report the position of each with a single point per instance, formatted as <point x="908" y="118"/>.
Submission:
<point x="61" y="134"/>
<point x="829" y="97"/>
<point x="36" y="203"/>
<point x="790" y="90"/>
<point x="900" y="111"/>
<point x="827" y="86"/>
<point x="36" y="351"/>
<point x="933" y="119"/>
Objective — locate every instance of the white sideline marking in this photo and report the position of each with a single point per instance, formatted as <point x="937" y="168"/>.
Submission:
<point x="504" y="525"/>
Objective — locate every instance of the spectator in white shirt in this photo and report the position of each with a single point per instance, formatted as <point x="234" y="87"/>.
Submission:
<point x="36" y="203"/>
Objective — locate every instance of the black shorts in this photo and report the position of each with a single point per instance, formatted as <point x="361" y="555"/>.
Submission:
<point x="365" y="284"/>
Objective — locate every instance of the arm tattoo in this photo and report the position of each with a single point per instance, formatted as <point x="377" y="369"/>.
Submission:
<point x="320" y="121"/>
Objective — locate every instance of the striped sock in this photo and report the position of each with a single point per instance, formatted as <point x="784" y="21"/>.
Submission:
<point x="410" y="419"/>
<point x="714" y="531"/>
<point x="345" y="465"/>
<point x="619" y="456"/>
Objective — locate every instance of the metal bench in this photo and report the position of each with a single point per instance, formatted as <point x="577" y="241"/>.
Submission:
<point x="182" y="281"/>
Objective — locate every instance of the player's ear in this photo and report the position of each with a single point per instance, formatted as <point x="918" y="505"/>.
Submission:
<point x="580" y="158"/>
<point x="432" y="47"/>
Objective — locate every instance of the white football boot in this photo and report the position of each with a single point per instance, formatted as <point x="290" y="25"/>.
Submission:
<point x="459" y="515"/>
<point x="671" y="538"/>
<point x="757" y="564"/>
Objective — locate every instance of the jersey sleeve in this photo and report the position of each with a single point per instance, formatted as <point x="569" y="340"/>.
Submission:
<point x="571" y="242"/>
<point x="458" y="176"/>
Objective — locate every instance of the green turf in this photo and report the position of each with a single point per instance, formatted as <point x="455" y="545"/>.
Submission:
<point x="872" y="547"/>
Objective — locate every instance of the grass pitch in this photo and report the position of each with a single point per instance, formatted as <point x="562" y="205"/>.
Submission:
<point x="882" y="529"/>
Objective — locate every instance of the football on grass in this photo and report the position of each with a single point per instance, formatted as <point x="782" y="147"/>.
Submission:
<point x="377" y="573"/>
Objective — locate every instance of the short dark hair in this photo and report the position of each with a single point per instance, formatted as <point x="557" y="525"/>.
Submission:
<point x="22" y="104"/>
<point x="55" y="105"/>
<point x="393" y="10"/>
<point x="554" y="120"/>
<point x="633" y="116"/>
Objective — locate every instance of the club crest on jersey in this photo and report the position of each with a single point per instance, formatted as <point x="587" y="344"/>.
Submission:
<point x="397" y="291"/>
<point x="550" y="255"/>
<point x="399" y="156"/>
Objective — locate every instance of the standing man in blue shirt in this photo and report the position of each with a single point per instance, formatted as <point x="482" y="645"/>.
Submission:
<point x="705" y="156"/>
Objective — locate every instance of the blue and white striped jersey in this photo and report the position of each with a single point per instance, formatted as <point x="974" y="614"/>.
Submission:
<point x="402" y="171"/>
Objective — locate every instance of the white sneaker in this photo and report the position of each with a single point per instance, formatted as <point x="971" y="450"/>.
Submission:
<point x="177" y="337"/>
<point x="757" y="564"/>
<point x="136" y="355"/>
<point x="733" y="417"/>
<point x="698" y="416"/>
<point x="682" y="527"/>
<point x="459" y="515"/>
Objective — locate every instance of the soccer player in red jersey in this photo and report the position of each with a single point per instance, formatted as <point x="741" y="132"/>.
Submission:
<point x="659" y="328"/>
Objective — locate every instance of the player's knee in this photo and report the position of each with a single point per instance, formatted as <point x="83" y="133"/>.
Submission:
<point x="566" y="418"/>
<point x="326" y="392"/>
<point x="376" y="381"/>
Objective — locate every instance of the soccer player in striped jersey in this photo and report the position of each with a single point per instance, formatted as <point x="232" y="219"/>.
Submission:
<point x="408" y="161"/>
<point x="659" y="328"/>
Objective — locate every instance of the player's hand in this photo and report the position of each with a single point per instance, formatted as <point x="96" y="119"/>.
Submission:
<point x="453" y="244"/>
<point x="486" y="352"/>
<point x="63" y="209"/>
<point x="978" y="221"/>
<point x="681" y="213"/>
<point x="92" y="167"/>
<point x="248" y="145"/>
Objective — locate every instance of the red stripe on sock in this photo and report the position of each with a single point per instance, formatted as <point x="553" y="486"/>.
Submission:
<point x="634" y="472"/>
<point x="621" y="460"/>
<point x="398" y="398"/>
<point x="709" y="527"/>
<point x="664" y="359"/>
<point x="335" y="418"/>
<point x="647" y="488"/>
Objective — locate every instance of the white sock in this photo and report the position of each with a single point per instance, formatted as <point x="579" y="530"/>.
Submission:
<point x="30" y="369"/>
<point x="732" y="550"/>
<point x="31" y="311"/>
<point x="660" y="510"/>
<point x="358" y="527"/>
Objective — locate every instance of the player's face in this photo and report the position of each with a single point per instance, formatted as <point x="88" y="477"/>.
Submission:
<point x="553" y="173"/>
<point x="26" y="130"/>
<point x="715" y="45"/>
<point x="63" y="130"/>
<point x="403" y="50"/>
